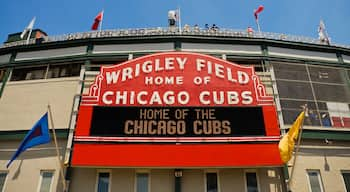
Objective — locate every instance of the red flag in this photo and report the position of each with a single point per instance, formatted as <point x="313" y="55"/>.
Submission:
<point x="97" y="21"/>
<point x="257" y="11"/>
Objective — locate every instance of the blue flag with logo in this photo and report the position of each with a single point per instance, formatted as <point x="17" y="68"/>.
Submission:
<point x="39" y="134"/>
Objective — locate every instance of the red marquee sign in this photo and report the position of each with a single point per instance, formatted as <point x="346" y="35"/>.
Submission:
<point x="177" y="79"/>
<point x="172" y="105"/>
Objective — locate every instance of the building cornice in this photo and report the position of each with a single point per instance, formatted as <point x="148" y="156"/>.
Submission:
<point x="226" y="36"/>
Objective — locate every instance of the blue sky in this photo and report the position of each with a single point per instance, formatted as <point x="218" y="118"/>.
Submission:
<point x="295" y="17"/>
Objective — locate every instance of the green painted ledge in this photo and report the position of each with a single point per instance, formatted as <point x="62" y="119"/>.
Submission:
<point x="326" y="134"/>
<point x="17" y="135"/>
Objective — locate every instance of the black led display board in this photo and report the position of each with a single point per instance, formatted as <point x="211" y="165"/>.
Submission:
<point x="177" y="121"/>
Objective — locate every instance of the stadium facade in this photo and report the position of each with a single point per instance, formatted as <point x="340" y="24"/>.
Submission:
<point x="154" y="110"/>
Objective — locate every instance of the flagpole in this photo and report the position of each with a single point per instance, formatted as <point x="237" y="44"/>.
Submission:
<point x="103" y="14"/>
<point x="179" y="20"/>
<point x="325" y="31"/>
<point x="30" y="32"/>
<point x="297" y="149"/>
<point x="256" y="12"/>
<point x="57" y="151"/>
<point x="257" y="23"/>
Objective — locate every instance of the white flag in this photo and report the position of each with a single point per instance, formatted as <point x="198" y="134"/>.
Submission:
<point x="28" y="28"/>
<point x="172" y="14"/>
<point x="322" y="34"/>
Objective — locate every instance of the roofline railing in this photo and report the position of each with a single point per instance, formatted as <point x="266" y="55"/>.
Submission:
<point x="157" y="31"/>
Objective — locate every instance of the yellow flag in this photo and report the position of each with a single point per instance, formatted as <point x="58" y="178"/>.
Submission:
<point x="286" y="144"/>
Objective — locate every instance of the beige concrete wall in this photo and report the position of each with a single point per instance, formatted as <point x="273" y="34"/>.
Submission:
<point x="329" y="160"/>
<point x="234" y="179"/>
<point x="162" y="179"/>
<point x="24" y="172"/>
<point x="123" y="180"/>
<point x="231" y="180"/>
<point x="24" y="102"/>
<point x="269" y="179"/>
<point x="193" y="180"/>
<point x="83" y="180"/>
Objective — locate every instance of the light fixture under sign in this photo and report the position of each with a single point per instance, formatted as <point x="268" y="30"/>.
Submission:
<point x="178" y="173"/>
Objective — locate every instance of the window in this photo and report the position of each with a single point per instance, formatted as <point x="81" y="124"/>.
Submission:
<point x="346" y="177"/>
<point x="212" y="182"/>
<point x="339" y="114"/>
<point x="291" y="71"/>
<point x="257" y="64"/>
<point x="251" y="182"/>
<point x="291" y="109"/>
<point x="294" y="90"/>
<point x="103" y="182"/>
<point x="2" y="75"/>
<point x="331" y="92"/>
<point x="326" y="74"/>
<point x="142" y="180"/>
<point x="67" y="70"/>
<point x="97" y="64"/>
<point x="46" y="179"/>
<point x="315" y="182"/>
<point x="43" y="72"/>
<point x="2" y="180"/>
<point x="28" y="73"/>
<point x="318" y="87"/>
<point x="324" y="87"/>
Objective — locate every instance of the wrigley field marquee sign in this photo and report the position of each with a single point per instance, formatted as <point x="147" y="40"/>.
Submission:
<point x="177" y="79"/>
<point x="176" y="109"/>
<point x="174" y="97"/>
